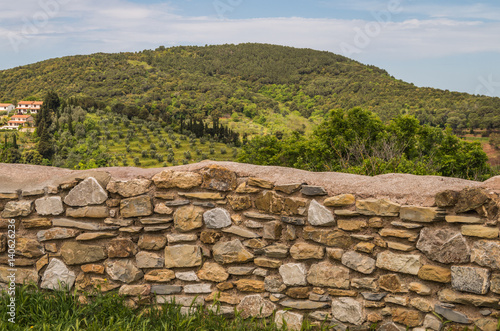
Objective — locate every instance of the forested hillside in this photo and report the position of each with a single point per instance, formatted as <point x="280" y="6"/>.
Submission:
<point x="262" y="83"/>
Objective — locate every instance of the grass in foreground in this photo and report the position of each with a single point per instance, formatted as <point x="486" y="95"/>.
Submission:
<point x="61" y="310"/>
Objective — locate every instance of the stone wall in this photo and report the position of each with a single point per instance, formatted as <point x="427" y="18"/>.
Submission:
<point x="261" y="246"/>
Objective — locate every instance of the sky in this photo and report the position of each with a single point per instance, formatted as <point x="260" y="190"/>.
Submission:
<point x="451" y="45"/>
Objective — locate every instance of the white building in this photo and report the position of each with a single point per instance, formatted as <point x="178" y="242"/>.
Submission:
<point x="7" y="107"/>
<point x="29" y="106"/>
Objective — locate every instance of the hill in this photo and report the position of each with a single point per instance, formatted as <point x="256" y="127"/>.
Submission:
<point x="274" y="88"/>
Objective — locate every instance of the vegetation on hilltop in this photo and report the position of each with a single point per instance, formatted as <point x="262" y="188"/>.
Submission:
<point x="252" y="80"/>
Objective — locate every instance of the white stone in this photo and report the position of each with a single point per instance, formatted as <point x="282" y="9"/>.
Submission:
<point x="198" y="288"/>
<point x="293" y="274"/>
<point x="188" y="276"/>
<point x="348" y="310"/>
<point x="57" y="273"/>
<point x="217" y="218"/>
<point x="88" y="192"/>
<point x="319" y="215"/>
<point x="49" y="206"/>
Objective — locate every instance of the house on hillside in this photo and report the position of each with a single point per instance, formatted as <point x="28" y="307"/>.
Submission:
<point x="7" y="107"/>
<point x="29" y="106"/>
<point x="19" y="120"/>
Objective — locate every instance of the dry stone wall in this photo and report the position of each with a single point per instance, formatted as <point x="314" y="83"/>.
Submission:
<point x="262" y="247"/>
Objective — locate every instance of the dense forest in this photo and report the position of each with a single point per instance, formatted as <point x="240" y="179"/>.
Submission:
<point x="248" y="81"/>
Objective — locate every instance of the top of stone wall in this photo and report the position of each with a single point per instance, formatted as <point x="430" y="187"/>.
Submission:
<point x="401" y="188"/>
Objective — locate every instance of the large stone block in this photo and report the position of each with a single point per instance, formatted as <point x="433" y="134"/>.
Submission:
<point x="30" y="248"/>
<point x="49" y="206"/>
<point x="326" y="274"/>
<point x="17" y="208"/>
<point x="136" y="206"/>
<point x="255" y="306"/>
<point x="293" y="274"/>
<point x="348" y="310"/>
<point x="486" y="253"/>
<point x="420" y="214"/>
<point x="377" y="207"/>
<point x="404" y="263"/>
<point x="76" y="253"/>
<point x="443" y="245"/>
<point x="123" y="270"/>
<point x="218" y="178"/>
<point x="332" y="238"/>
<point x="318" y="215"/>
<point x="57" y="276"/>
<point x="217" y="218"/>
<point x="129" y="188"/>
<point x="177" y="179"/>
<point x="470" y="279"/>
<point x="88" y="192"/>
<point x="231" y="252"/>
<point x="182" y="256"/>
<point x="359" y="262"/>
<point x="188" y="218"/>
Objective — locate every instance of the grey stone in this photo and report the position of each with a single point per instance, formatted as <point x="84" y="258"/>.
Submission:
<point x="185" y="301"/>
<point x="348" y="310"/>
<point x="404" y="263"/>
<point x="366" y="283"/>
<point x="373" y="296"/>
<point x="486" y="253"/>
<point x="217" y="218"/>
<point x="57" y="276"/>
<point x="470" y="279"/>
<point x="451" y="315"/>
<point x="320" y="315"/>
<point x="165" y="289"/>
<point x="17" y="208"/>
<point x="358" y="262"/>
<point x="443" y="245"/>
<point x="432" y="322"/>
<point x="198" y="288"/>
<point x="303" y="305"/>
<point x="88" y="192"/>
<point x="123" y="270"/>
<point x="274" y="284"/>
<point x="293" y="274"/>
<point x="319" y="215"/>
<point x="313" y="190"/>
<point x="188" y="276"/>
<point x="148" y="260"/>
<point x="49" y="206"/>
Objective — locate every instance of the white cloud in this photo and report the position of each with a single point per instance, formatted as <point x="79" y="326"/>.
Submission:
<point x="116" y="25"/>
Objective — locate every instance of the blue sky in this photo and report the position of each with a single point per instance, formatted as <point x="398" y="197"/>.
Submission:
<point x="453" y="45"/>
